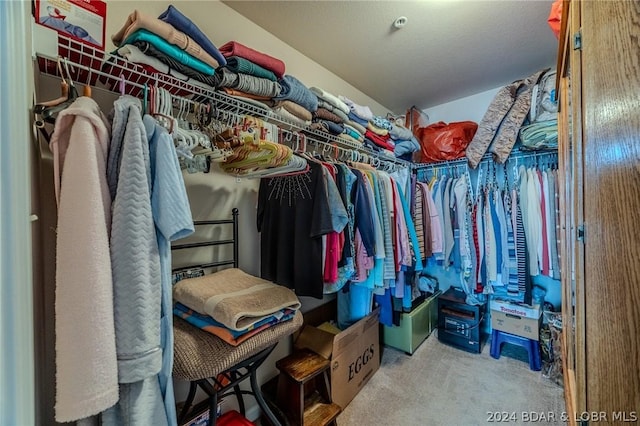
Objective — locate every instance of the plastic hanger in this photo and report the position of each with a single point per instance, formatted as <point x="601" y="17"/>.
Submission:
<point x="48" y="113"/>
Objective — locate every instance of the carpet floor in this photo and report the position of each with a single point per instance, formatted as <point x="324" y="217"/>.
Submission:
<point x="442" y="385"/>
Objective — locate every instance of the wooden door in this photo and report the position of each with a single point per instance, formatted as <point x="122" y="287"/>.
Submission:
<point x="611" y="152"/>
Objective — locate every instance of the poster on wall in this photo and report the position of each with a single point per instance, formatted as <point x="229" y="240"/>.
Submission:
<point x="82" y="20"/>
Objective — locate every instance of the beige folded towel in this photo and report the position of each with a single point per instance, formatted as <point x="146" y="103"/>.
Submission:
<point x="234" y="298"/>
<point x="138" y="20"/>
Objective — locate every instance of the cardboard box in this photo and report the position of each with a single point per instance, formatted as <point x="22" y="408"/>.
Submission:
<point x="519" y="319"/>
<point x="354" y="354"/>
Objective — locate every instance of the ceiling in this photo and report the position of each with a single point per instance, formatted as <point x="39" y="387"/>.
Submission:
<point x="447" y="50"/>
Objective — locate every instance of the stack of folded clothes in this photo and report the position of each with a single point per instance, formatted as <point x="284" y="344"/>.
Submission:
<point x="405" y="143"/>
<point x="379" y="133"/>
<point x="295" y="102"/>
<point x="169" y="44"/>
<point x="249" y="73"/>
<point x="331" y="115"/>
<point x="232" y="304"/>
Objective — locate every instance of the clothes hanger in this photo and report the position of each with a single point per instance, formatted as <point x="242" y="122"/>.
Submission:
<point x="64" y="91"/>
<point x="49" y="113"/>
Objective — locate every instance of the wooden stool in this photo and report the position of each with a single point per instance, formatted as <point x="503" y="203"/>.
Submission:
<point x="304" y="392"/>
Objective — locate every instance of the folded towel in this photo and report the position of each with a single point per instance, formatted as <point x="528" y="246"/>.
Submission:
<point x="246" y="83"/>
<point x="405" y="147"/>
<point x="241" y="94"/>
<point x="179" y="21"/>
<point x="284" y="113"/>
<point x="327" y="126"/>
<point x="381" y="141"/>
<point x="233" y="48"/>
<point x="234" y="298"/>
<point x="400" y="132"/>
<point x="348" y="126"/>
<point x="294" y="90"/>
<point x="353" y="117"/>
<point x="357" y="126"/>
<point x="171" y="50"/>
<point x="361" y="111"/>
<point x="337" y="111"/>
<point x="381" y="122"/>
<point x="327" y="115"/>
<point x="332" y="99"/>
<point x="133" y="54"/>
<point x="245" y="66"/>
<point x="540" y="135"/>
<point x="347" y="137"/>
<point x="295" y="109"/>
<point x="138" y="20"/>
<point x="149" y="49"/>
<point x="232" y="337"/>
<point x="348" y="130"/>
<point x="377" y="130"/>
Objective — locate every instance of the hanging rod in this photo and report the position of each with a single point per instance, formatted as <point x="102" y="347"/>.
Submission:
<point x="515" y="154"/>
<point x="91" y="66"/>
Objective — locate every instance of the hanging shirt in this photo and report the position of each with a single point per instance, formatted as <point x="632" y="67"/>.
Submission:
<point x="389" y="272"/>
<point x="491" y="260"/>
<point x="512" y="263"/>
<point x="434" y="221"/>
<point x="521" y="243"/>
<point x="461" y="191"/>
<point x="436" y="192"/>
<point x="548" y="221"/>
<point x="447" y="225"/>
<point x="293" y="214"/>
<point x="172" y="216"/>
<point x="363" y="214"/>
<point x="418" y="220"/>
<point x="504" y="243"/>
<point x="555" y="225"/>
<point x="533" y="223"/>
<point x="543" y="216"/>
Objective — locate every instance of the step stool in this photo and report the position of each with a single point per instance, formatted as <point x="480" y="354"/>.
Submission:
<point x="533" y="348"/>
<point x="304" y="392"/>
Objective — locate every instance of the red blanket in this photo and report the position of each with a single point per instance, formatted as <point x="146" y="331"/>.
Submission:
<point x="233" y="48"/>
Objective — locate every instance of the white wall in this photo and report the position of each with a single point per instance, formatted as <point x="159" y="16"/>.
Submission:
<point x="470" y="108"/>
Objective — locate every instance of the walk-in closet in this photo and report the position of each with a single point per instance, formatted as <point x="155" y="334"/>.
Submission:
<point x="319" y="213"/>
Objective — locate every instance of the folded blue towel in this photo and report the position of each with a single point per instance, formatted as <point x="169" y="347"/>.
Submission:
<point x="182" y="23"/>
<point x="291" y="89"/>
<point x="358" y="120"/>
<point x="170" y="50"/>
<point x="405" y="147"/>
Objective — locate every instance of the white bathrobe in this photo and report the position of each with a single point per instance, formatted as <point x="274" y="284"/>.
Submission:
<point x="86" y="363"/>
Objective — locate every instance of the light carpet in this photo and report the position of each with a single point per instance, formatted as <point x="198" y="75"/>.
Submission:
<point x="442" y="385"/>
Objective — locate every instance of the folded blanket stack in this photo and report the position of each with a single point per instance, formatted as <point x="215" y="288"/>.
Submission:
<point x="232" y="304"/>
<point x="246" y="84"/>
<point x="361" y="113"/>
<point x="293" y="90"/>
<point x="233" y="48"/>
<point x="170" y="44"/>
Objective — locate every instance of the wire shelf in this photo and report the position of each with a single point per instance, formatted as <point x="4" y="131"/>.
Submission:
<point x="88" y="65"/>
<point x="515" y="154"/>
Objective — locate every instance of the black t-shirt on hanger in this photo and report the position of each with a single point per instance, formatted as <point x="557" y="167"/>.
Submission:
<point x="293" y="214"/>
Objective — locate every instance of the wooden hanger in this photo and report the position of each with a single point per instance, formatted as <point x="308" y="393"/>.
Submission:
<point x="64" y="92"/>
<point x="49" y="113"/>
